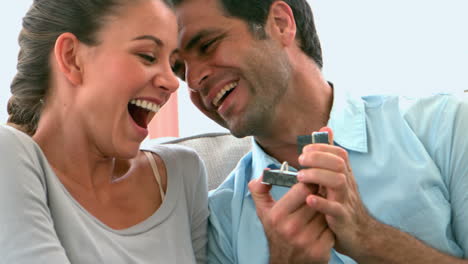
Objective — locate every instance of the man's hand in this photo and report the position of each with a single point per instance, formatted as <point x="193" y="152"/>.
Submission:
<point x="357" y="234"/>
<point x="346" y="215"/>
<point x="295" y="233"/>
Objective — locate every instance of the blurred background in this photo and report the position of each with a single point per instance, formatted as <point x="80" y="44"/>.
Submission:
<point x="411" y="48"/>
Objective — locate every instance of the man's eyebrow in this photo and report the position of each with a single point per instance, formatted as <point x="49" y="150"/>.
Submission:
<point x="195" y="39"/>
<point x="149" y="37"/>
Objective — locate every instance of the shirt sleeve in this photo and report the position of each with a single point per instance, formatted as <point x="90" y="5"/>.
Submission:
<point x="441" y="122"/>
<point x="220" y="250"/>
<point x="456" y="169"/>
<point x="26" y="226"/>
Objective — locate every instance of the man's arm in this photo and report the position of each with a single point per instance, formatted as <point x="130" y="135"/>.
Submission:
<point x="386" y="244"/>
<point x="358" y="235"/>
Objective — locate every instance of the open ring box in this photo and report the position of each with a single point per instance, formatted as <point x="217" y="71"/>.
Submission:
<point x="285" y="177"/>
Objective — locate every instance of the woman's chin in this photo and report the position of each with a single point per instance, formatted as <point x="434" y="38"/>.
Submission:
<point x="129" y="151"/>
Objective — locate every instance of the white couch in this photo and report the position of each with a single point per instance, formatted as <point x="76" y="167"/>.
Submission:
<point x="219" y="151"/>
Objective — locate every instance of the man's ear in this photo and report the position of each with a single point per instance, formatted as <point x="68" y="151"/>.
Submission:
<point x="66" y="56"/>
<point x="281" y="19"/>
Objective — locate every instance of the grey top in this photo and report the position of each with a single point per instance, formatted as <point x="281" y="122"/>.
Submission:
<point x="40" y="222"/>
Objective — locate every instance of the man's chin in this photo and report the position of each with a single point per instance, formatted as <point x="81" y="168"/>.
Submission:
<point x="240" y="131"/>
<point x="240" y="126"/>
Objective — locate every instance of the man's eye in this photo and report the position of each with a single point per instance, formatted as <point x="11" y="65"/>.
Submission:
<point x="147" y="57"/>
<point x="204" y="48"/>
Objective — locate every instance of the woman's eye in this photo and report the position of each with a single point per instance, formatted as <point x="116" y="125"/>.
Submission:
<point x="147" y="57"/>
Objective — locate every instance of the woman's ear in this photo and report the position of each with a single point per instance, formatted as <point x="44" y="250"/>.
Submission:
<point x="281" y="20"/>
<point x="66" y="56"/>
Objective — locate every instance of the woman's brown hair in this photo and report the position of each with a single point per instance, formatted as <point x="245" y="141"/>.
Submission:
<point x="45" y="21"/>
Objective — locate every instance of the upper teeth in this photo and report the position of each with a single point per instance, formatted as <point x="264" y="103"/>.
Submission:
<point x="227" y="88"/>
<point x="146" y="105"/>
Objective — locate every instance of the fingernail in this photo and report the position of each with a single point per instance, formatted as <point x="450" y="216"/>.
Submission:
<point x="300" y="176"/>
<point x="312" y="200"/>
<point x="301" y="158"/>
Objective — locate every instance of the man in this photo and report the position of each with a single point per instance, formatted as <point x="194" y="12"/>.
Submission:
<point x="255" y="68"/>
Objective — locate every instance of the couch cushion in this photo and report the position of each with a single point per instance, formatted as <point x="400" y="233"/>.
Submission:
<point x="219" y="151"/>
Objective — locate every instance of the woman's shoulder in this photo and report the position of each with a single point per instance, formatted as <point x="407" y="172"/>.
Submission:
<point x="181" y="162"/>
<point x="12" y="139"/>
<point x="20" y="153"/>
<point x="22" y="162"/>
<point x="9" y="132"/>
<point x="173" y="153"/>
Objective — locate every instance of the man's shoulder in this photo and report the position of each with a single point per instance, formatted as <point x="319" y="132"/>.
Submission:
<point x="220" y="201"/>
<point x="434" y="107"/>
<point x="407" y="102"/>
<point x="428" y="106"/>
<point x="235" y="182"/>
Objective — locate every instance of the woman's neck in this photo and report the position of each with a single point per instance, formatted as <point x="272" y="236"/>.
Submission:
<point x="74" y="157"/>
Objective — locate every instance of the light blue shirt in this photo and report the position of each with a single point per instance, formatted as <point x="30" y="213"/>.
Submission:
<point x="409" y="158"/>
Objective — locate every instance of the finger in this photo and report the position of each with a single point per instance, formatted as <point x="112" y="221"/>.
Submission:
<point x="327" y="239"/>
<point x="323" y="177"/>
<point x="335" y="150"/>
<point x="332" y="183"/>
<point x="325" y="206"/>
<point x="312" y="230"/>
<point x="261" y="196"/>
<point x="294" y="198"/>
<point x="317" y="158"/>
<point x="296" y="222"/>
<point x="330" y="134"/>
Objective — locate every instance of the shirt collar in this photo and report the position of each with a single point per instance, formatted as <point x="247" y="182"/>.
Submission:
<point x="260" y="161"/>
<point x="348" y="121"/>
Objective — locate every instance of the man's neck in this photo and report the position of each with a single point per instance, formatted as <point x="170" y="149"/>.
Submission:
<point x="304" y="110"/>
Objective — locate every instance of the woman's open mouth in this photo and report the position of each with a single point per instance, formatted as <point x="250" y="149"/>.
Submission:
<point x="142" y="111"/>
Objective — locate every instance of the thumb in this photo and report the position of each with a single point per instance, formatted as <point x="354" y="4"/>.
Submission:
<point x="261" y="196"/>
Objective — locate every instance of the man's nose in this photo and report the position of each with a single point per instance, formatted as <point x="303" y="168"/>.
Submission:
<point x="196" y="73"/>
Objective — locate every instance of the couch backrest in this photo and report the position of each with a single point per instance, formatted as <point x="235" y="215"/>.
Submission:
<point x="219" y="151"/>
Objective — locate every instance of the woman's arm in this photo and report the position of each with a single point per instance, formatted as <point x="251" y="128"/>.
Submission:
<point x="26" y="226"/>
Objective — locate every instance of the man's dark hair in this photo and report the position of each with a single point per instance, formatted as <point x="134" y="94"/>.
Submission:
<point x="255" y="14"/>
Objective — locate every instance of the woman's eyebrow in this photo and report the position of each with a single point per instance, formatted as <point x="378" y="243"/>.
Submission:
<point x="156" y="40"/>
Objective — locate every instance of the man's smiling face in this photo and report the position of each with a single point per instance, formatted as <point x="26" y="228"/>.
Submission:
<point x="235" y="78"/>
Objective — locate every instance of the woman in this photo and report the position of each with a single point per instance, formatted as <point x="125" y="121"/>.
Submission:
<point x="91" y="75"/>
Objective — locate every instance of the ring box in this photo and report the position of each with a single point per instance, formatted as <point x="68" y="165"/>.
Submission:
<point x="316" y="137"/>
<point x="284" y="177"/>
<point x="279" y="177"/>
